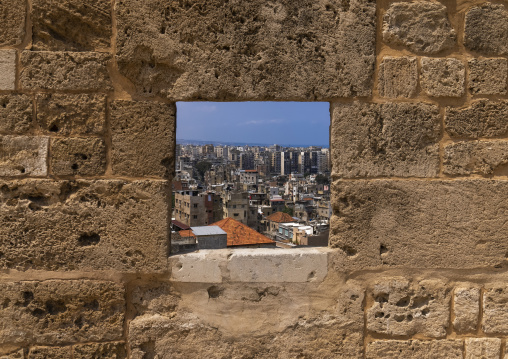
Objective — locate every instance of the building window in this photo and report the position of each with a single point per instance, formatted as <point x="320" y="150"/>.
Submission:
<point x="236" y="215"/>
<point x="195" y="217"/>
<point x="195" y="205"/>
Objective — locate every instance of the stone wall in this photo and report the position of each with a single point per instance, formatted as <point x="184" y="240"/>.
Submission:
<point x="419" y="119"/>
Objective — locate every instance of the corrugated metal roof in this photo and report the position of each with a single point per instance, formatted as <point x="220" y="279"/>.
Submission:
<point x="207" y="231"/>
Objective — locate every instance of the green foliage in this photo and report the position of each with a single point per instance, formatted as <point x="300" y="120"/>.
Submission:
<point x="288" y="210"/>
<point x="202" y="167"/>
<point x="322" y="179"/>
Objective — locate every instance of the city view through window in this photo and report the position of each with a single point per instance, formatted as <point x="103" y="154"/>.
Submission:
<point x="251" y="174"/>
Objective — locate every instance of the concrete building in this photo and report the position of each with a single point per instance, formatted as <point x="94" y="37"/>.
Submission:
<point x="190" y="208"/>
<point x="210" y="237"/>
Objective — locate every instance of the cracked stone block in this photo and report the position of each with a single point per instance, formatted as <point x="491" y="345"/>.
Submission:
<point x="71" y="25"/>
<point x="143" y="138"/>
<point x="78" y="156"/>
<point x="100" y="350"/>
<point x="398" y="77"/>
<point x="482" y="119"/>
<point x="420" y="26"/>
<point x="479" y="157"/>
<point x="84" y="225"/>
<point x="485" y="348"/>
<point x="486" y="29"/>
<point x="392" y="139"/>
<point x="46" y="70"/>
<point x="466" y="309"/>
<point x="16" y="113"/>
<point x="282" y="50"/>
<point x="442" y="77"/>
<point x="404" y="308"/>
<point x="495" y="316"/>
<point x="23" y="156"/>
<point x="414" y="349"/>
<point x="12" y="18"/>
<point x="50" y="353"/>
<point x="54" y="312"/>
<point x="7" y="70"/>
<point x="69" y="114"/>
<point x="488" y="76"/>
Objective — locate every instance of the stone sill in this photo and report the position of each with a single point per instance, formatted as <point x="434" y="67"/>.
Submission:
<point x="252" y="265"/>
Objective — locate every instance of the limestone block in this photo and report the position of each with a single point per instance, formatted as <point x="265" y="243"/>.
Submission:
<point x="466" y="309"/>
<point x="71" y="25"/>
<point x="50" y="353"/>
<point x="16" y="112"/>
<point x="19" y="354"/>
<point x="495" y="316"/>
<point x="486" y="29"/>
<point x="78" y="156"/>
<point x="420" y="224"/>
<point x="67" y="114"/>
<point x="143" y="138"/>
<point x="45" y="70"/>
<point x="100" y="350"/>
<point x="155" y="297"/>
<point x="12" y="18"/>
<point x="482" y="119"/>
<point x="61" y="311"/>
<point x="398" y="77"/>
<point x="394" y="139"/>
<point x="404" y="308"/>
<point x="421" y="26"/>
<point x="484" y="348"/>
<point x="479" y="157"/>
<point x="442" y="77"/>
<point x="414" y="349"/>
<point x="23" y="156"/>
<point x="283" y="50"/>
<point x="487" y="76"/>
<point x="84" y="225"/>
<point x="198" y="267"/>
<point x="7" y="69"/>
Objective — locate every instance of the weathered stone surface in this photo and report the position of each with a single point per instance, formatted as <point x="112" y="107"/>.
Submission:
<point x="420" y="26"/>
<point x="12" y="18"/>
<point x="14" y="355"/>
<point x="143" y="138"/>
<point x="485" y="348"/>
<point x="100" y="350"/>
<point x="414" y="349"/>
<point x="404" y="308"/>
<point x="466" y="309"/>
<point x="78" y="156"/>
<point x="23" y="156"/>
<point x="420" y="224"/>
<point x="16" y="113"/>
<point x="479" y="157"/>
<point x="85" y="225"/>
<point x="67" y="114"/>
<point x="50" y="353"/>
<point x="371" y="140"/>
<point x="442" y="77"/>
<point x="285" y="50"/>
<point x="7" y="70"/>
<point x="198" y="267"/>
<point x="487" y="76"/>
<point x="45" y="70"/>
<point x="486" y="29"/>
<point x="71" y="25"/>
<point x="495" y="316"/>
<point x="155" y="297"/>
<point x="482" y="119"/>
<point x="56" y="311"/>
<point x="398" y="77"/>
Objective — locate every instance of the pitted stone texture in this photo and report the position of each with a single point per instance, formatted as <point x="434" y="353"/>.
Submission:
<point x="143" y="138"/>
<point x="198" y="267"/>
<point x="484" y="348"/>
<point x="283" y="50"/>
<point x="495" y="316"/>
<point x="155" y="297"/>
<point x="78" y="156"/>
<point x="12" y="18"/>
<point x="61" y="311"/>
<point x="442" y="77"/>
<point x="45" y="70"/>
<point x="466" y="309"/>
<point x="478" y="157"/>
<point x="100" y="350"/>
<point x="487" y="76"/>
<point x="446" y="224"/>
<point x="19" y="354"/>
<point x="414" y="349"/>
<point x="421" y="26"/>
<point x="16" y="113"/>
<point x="84" y="225"/>
<point x="394" y="139"/>
<point x="71" y="25"/>
<point x="50" y="353"/>
<point x="398" y="77"/>
<point x="23" y="156"/>
<point x="404" y="308"/>
<point x="7" y="70"/>
<point x="482" y="119"/>
<point x="486" y="29"/>
<point x="67" y="114"/>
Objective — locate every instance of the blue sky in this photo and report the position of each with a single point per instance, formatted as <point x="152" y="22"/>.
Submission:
<point x="297" y="123"/>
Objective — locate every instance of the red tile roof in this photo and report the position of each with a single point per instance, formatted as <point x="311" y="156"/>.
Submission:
<point x="186" y="233"/>
<point x="280" y="217"/>
<point x="239" y="234"/>
<point x="180" y="224"/>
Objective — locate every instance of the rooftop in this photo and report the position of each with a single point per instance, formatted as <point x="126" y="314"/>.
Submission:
<point x="210" y="230"/>
<point x="280" y="217"/>
<point x="241" y="235"/>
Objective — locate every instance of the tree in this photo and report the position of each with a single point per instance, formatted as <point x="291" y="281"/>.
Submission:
<point x="202" y="167"/>
<point x="288" y="211"/>
<point x="322" y="179"/>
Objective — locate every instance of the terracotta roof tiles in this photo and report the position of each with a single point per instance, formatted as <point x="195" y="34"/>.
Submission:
<point x="239" y="234"/>
<point x="280" y="217"/>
